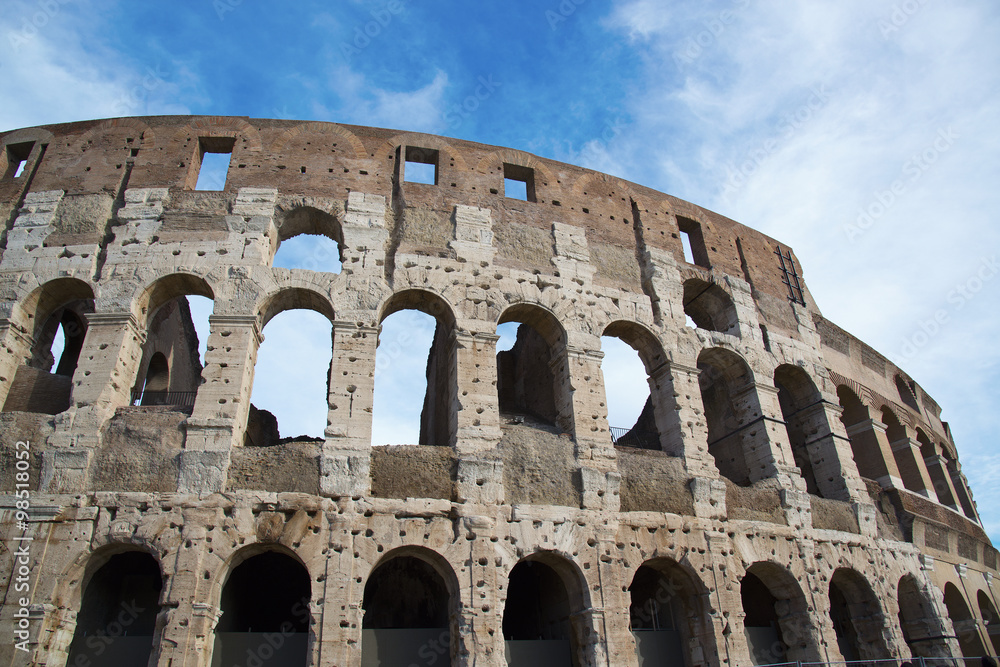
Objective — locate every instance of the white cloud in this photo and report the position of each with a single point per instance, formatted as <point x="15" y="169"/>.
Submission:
<point x="419" y="110"/>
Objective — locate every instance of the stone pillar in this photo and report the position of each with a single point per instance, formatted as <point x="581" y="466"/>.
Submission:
<point x="108" y="365"/>
<point x="346" y="460"/>
<point x="477" y="417"/>
<point x="869" y="442"/>
<point x="477" y="412"/>
<point x="680" y="421"/>
<point x="830" y="453"/>
<point x="222" y="406"/>
<point x="582" y="407"/>
<point x="478" y="636"/>
<point x="962" y="489"/>
<point x="937" y="467"/>
<point x="339" y="629"/>
<point x="912" y="468"/>
<point x="15" y="350"/>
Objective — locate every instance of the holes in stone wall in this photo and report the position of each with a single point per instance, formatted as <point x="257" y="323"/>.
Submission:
<point x="17" y="159"/>
<point x="211" y="162"/>
<point x="694" y="242"/>
<point x="421" y="165"/>
<point x="519" y="182"/>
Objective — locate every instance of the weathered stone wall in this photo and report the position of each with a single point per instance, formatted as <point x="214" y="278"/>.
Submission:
<point x="516" y="464"/>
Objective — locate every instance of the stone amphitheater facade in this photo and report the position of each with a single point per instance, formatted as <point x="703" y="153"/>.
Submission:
<point x="788" y="495"/>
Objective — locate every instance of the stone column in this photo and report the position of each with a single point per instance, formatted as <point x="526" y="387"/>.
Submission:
<point x="339" y="629"/>
<point x="911" y="466"/>
<point x="830" y="454"/>
<point x="15" y="350"/>
<point x="222" y="406"/>
<point x="346" y="458"/>
<point x="869" y="442"/>
<point x="477" y="417"/>
<point x="962" y="489"/>
<point x="937" y="467"/>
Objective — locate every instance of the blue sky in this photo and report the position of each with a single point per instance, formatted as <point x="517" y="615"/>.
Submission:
<point x="864" y="133"/>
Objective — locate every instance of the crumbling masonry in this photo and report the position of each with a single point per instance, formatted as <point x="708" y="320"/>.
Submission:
<point x="788" y="494"/>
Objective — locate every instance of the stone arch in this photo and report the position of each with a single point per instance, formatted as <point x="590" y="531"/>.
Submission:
<point x="438" y="423"/>
<point x="217" y="126"/>
<point x="991" y="621"/>
<point x="937" y="469"/>
<point x="293" y="298"/>
<point x="118" y="593"/>
<point x="669" y="613"/>
<point x="921" y="627"/>
<point x="320" y="128"/>
<point x="865" y="447"/>
<point x="801" y="409"/>
<point x="966" y="626"/>
<point x="777" y="621"/>
<point x="308" y="220"/>
<point x="710" y="306"/>
<point x="899" y="440"/>
<point x="263" y="589"/>
<point x="169" y="329"/>
<point x="726" y="380"/>
<point x="651" y="430"/>
<point x="28" y="363"/>
<point x="530" y="376"/>
<point x="857" y="617"/>
<point x="495" y="160"/>
<point x="390" y="146"/>
<point x="411" y="604"/>
<point x="547" y="600"/>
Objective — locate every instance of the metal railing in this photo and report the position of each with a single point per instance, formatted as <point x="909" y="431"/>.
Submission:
<point x="915" y="662"/>
<point x="623" y="437"/>
<point x="161" y="398"/>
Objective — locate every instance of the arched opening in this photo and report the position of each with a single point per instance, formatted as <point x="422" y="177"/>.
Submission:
<point x="966" y="627"/>
<point x="116" y="624"/>
<point x="988" y="613"/>
<point x="866" y="453"/>
<point x="918" y="621"/>
<point x="308" y="239"/>
<point x="173" y="337"/>
<point x="408" y="615"/>
<point x="540" y="617"/>
<point x="964" y="498"/>
<point x="265" y="613"/>
<point x="55" y="316"/>
<point x="631" y="353"/>
<point x="857" y="617"/>
<point x="804" y="418"/>
<point x="724" y="379"/>
<point x="415" y="358"/>
<point x="710" y="307"/>
<point x="776" y="624"/>
<point x="296" y="353"/>
<point x="527" y="373"/>
<point x="667" y="614"/>
<point x="937" y="470"/>
<point x="901" y="452"/>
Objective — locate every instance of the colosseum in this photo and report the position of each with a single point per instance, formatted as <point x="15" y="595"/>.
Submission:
<point x="788" y="494"/>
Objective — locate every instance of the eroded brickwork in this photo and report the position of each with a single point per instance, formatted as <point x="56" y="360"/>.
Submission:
<point x="781" y="454"/>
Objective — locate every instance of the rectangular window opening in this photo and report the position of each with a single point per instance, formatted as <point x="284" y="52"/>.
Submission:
<point x="17" y="158"/>
<point x="214" y="155"/>
<point x="519" y="182"/>
<point x="694" y="243"/>
<point x="421" y="166"/>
